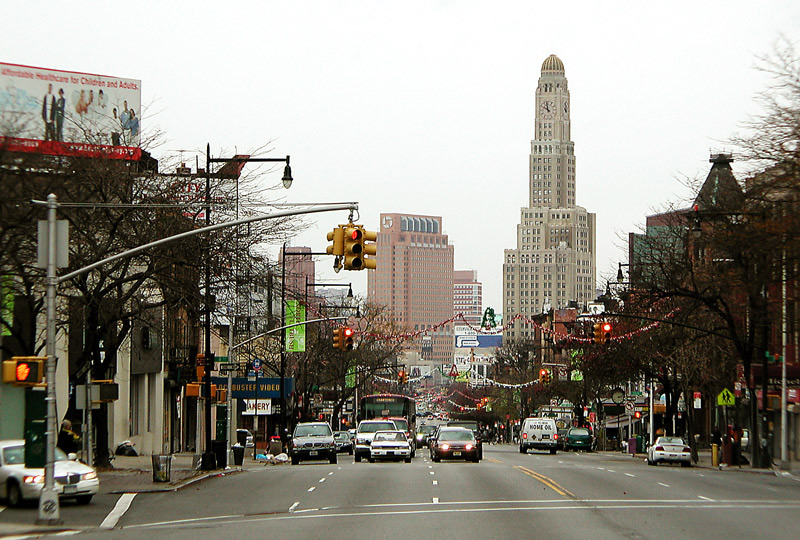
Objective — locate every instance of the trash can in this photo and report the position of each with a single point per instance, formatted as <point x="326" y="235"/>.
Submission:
<point x="632" y="445"/>
<point x="639" y="444"/>
<point x="162" y="467"/>
<point x="238" y="454"/>
<point x="218" y="448"/>
<point x="241" y="437"/>
<point x="275" y="445"/>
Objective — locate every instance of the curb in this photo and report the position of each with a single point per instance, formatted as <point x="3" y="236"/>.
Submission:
<point x="180" y="485"/>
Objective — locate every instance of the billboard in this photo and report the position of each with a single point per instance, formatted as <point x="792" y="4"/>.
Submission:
<point x="55" y="112"/>
<point x="467" y="338"/>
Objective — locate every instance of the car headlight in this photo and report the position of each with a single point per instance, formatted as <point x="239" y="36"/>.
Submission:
<point x="89" y="476"/>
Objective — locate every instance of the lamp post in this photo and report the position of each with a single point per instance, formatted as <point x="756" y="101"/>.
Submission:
<point x="208" y="457"/>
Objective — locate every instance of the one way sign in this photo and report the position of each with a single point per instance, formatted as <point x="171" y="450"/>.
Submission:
<point x="726" y="397"/>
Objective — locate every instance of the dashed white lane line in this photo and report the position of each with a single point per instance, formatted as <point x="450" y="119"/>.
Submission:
<point x="631" y="475"/>
<point x="295" y="505"/>
<point x="331" y="473"/>
<point x="435" y="482"/>
<point x="312" y="488"/>
<point x="123" y="503"/>
<point x="322" y="480"/>
<point x="663" y="484"/>
<point x="436" y="500"/>
<point x="705" y="498"/>
<point x="433" y="472"/>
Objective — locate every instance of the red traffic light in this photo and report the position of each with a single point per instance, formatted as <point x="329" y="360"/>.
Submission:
<point x="348" y="332"/>
<point x="543" y="373"/>
<point x="637" y="414"/>
<point x="606" y="327"/>
<point x="355" y="234"/>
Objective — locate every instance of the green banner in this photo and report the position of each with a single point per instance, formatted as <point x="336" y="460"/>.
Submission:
<point x="6" y="305"/>
<point x="296" y="335"/>
<point x="350" y="378"/>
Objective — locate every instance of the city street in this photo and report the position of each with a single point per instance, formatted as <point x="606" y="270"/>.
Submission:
<point x="507" y="495"/>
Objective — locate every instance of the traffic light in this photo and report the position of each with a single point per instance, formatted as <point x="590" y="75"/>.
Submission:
<point x="24" y="370"/>
<point x="605" y="332"/>
<point x="347" y="344"/>
<point x="637" y="414"/>
<point x="336" y="236"/>
<point x="401" y="377"/>
<point x="353" y="247"/>
<point x="544" y="376"/>
<point x="596" y="332"/>
<point x="338" y="338"/>
<point x="370" y="250"/>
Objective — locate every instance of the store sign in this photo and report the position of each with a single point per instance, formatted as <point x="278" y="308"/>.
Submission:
<point x="263" y="406"/>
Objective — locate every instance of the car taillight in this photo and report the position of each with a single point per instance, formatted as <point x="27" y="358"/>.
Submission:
<point x="687" y="449"/>
<point x="555" y="436"/>
<point x="445" y="446"/>
<point x="36" y="479"/>
<point x="524" y="435"/>
<point x="468" y="447"/>
<point x="659" y="448"/>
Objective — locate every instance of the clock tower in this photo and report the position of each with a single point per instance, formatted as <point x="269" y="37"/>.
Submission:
<point x="553" y="264"/>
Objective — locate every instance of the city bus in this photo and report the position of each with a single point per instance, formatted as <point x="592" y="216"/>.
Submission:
<point x="392" y="406"/>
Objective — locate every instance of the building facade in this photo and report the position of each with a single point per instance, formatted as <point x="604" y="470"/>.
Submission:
<point x="553" y="263"/>
<point x="468" y="296"/>
<point x="414" y="280"/>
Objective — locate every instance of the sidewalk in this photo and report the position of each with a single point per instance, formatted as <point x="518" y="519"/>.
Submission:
<point x="704" y="461"/>
<point x="135" y="474"/>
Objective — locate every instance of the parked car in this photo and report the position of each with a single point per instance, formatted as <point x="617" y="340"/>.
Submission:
<point x="312" y="440"/>
<point x="562" y="437"/>
<point x="578" y="438"/>
<point x="366" y="431"/>
<point x="73" y="479"/>
<point x="390" y="445"/>
<point x="343" y="442"/>
<point x="669" y="450"/>
<point x="455" y="443"/>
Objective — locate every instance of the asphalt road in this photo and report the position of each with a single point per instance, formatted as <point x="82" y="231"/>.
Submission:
<point x="507" y="495"/>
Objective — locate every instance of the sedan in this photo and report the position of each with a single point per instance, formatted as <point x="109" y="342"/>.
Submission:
<point x="455" y="443"/>
<point x="578" y="438"/>
<point x="669" y="450"/>
<point x="343" y="442"/>
<point x="390" y="445"/>
<point x="73" y="479"/>
<point x="423" y="433"/>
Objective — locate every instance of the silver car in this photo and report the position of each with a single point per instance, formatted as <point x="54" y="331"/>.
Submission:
<point x="669" y="450"/>
<point x="73" y="479"/>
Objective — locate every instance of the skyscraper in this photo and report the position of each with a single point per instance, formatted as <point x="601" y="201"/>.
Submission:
<point x="468" y="296"/>
<point x="553" y="264"/>
<point x="414" y="280"/>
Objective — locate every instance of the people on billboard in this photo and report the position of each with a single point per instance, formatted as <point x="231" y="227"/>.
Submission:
<point x="49" y="114"/>
<point x="82" y="106"/>
<point x="61" y="105"/>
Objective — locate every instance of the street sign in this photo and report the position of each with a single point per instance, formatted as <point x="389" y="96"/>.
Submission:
<point x="629" y="407"/>
<point x="726" y="397"/>
<point x="454" y="371"/>
<point x="256" y="364"/>
<point x="228" y="366"/>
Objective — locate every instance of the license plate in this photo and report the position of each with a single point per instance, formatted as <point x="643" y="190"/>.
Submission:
<point x="456" y="454"/>
<point x="545" y="436"/>
<point x="313" y="453"/>
<point x="390" y="453"/>
<point x="70" y="489"/>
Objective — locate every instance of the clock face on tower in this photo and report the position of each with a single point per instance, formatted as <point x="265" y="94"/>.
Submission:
<point x="548" y="109"/>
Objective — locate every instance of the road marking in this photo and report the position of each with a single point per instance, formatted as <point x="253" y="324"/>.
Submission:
<point x="611" y="470"/>
<point x="706" y="498"/>
<point x="322" y="480"/>
<point x="493" y="460"/>
<point x="549" y="482"/>
<point x="436" y="500"/>
<point x="295" y="505"/>
<point x="631" y="475"/>
<point x="433" y="472"/>
<point x="435" y="482"/>
<point x="123" y="503"/>
<point x="663" y="484"/>
<point x="331" y="473"/>
<point x="312" y="488"/>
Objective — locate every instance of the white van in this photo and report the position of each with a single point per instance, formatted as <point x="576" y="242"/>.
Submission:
<point x="538" y="433"/>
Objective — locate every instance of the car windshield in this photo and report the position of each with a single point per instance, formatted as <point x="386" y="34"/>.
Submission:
<point x="579" y="431"/>
<point x="372" y="427"/>
<point x="400" y="423"/>
<point x="670" y="440"/>
<point x="390" y="436"/>
<point x="314" y="430"/>
<point x="341" y="435"/>
<point x="447" y="435"/>
<point x="427" y="429"/>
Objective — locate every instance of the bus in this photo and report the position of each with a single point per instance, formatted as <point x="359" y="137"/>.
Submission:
<point x="390" y="406"/>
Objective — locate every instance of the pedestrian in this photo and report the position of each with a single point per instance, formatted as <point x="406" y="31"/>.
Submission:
<point x="68" y="440"/>
<point x="737" y="445"/>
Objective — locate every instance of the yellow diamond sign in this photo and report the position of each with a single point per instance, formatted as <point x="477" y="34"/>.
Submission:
<point x="726" y="397"/>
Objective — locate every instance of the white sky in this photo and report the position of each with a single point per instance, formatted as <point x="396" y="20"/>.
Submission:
<point x="427" y="107"/>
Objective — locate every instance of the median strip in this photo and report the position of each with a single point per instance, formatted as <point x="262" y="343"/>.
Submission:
<point x="548" y="482"/>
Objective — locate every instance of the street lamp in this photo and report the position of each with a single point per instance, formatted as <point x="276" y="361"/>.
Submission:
<point x="208" y="457"/>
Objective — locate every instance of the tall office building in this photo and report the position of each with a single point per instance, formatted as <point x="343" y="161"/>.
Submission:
<point x="468" y="296"/>
<point x="414" y="280"/>
<point x="553" y="265"/>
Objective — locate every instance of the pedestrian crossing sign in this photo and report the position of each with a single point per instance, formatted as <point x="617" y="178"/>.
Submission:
<point x="726" y="397"/>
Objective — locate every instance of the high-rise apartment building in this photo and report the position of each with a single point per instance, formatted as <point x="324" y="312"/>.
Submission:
<point x="414" y="280"/>
<point x="553" y="264"/>
<point x="468" y="296"/>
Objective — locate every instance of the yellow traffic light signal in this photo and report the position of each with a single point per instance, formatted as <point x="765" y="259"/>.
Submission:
<point x="370" y="250"/>
<point x="348" y="339"/>
<point x="336" y="237"/>
<point x="353" y="247"/>
<point x="544" y="376"/>
<point x="402" y="376"/>
<point x="24" y="370"/>
<point x="596" y="332"/>
<point x="337" y="338"/>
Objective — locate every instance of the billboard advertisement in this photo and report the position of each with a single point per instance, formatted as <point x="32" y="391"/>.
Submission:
<point x="53" y="112"/>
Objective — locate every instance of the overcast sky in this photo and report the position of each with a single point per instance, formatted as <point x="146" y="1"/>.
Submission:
<point x="427" y="107"/>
